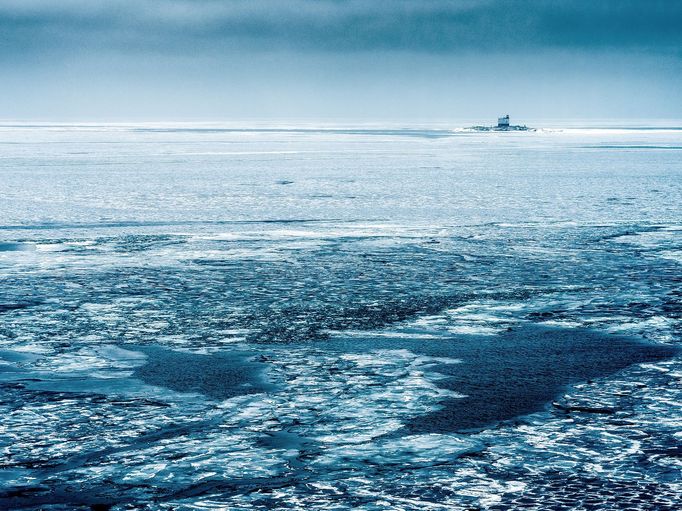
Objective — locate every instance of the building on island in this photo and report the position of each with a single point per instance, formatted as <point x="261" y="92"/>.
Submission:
<point x="503" y="124"/>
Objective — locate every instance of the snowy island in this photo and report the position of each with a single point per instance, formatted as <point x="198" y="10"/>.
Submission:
<point x="502" y="125"/>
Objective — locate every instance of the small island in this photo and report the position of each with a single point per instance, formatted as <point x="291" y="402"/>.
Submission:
<point x="502" y="125"/>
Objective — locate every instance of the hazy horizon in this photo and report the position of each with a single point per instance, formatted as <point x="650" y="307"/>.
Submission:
<point x="341" y="123"/>
<point x="429" y="60"/>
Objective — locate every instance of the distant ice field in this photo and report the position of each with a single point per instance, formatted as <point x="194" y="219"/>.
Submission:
<point x="303" y="317"/>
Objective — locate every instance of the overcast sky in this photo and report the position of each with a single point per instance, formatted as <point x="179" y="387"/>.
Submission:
<point x="340" y="59"/>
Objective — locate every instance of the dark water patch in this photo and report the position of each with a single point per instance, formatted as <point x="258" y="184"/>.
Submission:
<point x="15" y="357"/>
<point x="406" y="132"/>
<point x="10" y="306"/>
<point x="129" y="244"/>
<point x="516" y="372"/>
<point x="217" y="263"/>
<point x="123" y="223"/>
<point x="278" y="326"/>
<point x="218" y="376"/>
<point x="563" y="490"/>
<point x="108" y="494"/>
<point x="11" y="246"/>
<point x="64" y="496"/>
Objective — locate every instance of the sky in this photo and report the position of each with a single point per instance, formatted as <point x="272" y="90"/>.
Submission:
<point x="369" y="60"/>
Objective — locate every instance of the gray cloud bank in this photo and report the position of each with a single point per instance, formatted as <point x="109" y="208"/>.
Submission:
<point x="432" y="26"/>
<point x="365" y="59"/>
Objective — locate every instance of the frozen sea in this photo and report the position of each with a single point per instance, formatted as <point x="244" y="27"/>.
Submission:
<point x="206" y="316"/>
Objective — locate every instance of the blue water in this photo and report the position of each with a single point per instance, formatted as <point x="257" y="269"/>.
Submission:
<point x="221" y="317"/>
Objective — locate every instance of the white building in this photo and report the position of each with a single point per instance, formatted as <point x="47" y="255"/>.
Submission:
<point x="503" y="122"/>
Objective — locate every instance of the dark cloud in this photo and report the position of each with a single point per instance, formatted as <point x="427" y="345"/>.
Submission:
<point x="432" y="26"/>
<point x="334" y="58"/>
